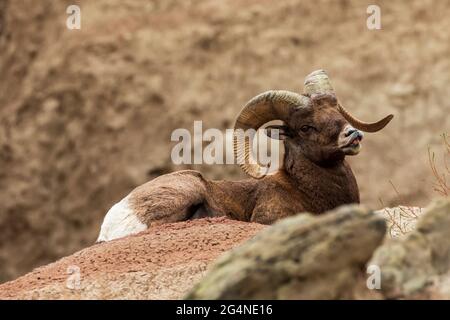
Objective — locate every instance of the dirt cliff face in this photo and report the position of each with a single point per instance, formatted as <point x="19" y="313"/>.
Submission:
<point x="86" y="115"/>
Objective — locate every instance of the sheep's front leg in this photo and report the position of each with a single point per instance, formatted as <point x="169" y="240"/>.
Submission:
<point x="273" y="207"/>
<point x="170" y="198"/>
<point x="265" y="215"/>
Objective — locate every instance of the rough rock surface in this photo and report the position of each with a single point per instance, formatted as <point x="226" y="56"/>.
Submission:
<point x="161" y="263"/>
<point x="324" y="258"/>
<point x="418" y="265"/>
<point x="301" y="257"/>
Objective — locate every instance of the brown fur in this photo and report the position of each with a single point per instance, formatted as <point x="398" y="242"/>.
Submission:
<point x="315" y="178"/>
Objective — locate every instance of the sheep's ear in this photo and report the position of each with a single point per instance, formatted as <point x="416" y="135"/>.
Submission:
<point x="279" y="132"/>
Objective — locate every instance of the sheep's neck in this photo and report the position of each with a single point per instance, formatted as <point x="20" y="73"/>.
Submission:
<point x="323" y="187"/>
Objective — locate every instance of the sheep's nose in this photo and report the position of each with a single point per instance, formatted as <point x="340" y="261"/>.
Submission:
<point x="350" y="130"/>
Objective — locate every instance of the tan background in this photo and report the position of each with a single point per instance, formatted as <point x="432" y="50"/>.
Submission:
<point x="86" y="115"/>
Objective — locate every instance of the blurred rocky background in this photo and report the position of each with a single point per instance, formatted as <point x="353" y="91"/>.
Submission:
<point x="86" y="115"/>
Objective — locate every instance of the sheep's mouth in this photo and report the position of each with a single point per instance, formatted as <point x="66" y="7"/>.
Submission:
<point x="353" y="146"/>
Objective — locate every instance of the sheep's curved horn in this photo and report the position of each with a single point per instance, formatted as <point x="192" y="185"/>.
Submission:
<point x="265" y="107"/>
<point x="364" y="126"/>
<point x="318" y="83"/>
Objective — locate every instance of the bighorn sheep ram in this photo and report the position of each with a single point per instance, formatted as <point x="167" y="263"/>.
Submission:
<point x="317" y="133"/>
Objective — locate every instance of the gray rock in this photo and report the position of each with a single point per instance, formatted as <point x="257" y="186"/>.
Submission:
<point x="302" y="257"/>
<point x="417" y="264"/>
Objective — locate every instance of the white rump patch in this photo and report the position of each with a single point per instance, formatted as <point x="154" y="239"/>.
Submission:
<point x="120" y="221"/>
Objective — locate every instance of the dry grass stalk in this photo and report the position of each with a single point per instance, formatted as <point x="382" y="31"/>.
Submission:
<point x="441" y="184"/>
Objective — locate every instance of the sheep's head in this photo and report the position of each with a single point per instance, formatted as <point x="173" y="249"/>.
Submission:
<point x="315" y="124"/>
<point x="319" y="131"/>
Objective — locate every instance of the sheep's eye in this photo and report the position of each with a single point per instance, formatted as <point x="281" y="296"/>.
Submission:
<point x="306" y="128"/>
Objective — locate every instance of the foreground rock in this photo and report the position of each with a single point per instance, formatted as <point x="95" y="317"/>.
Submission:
<point x="302" y="257"/>
<point x="326" y="257"/>
<point x="162" y="263"/>
<point x="418" y="265"/>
